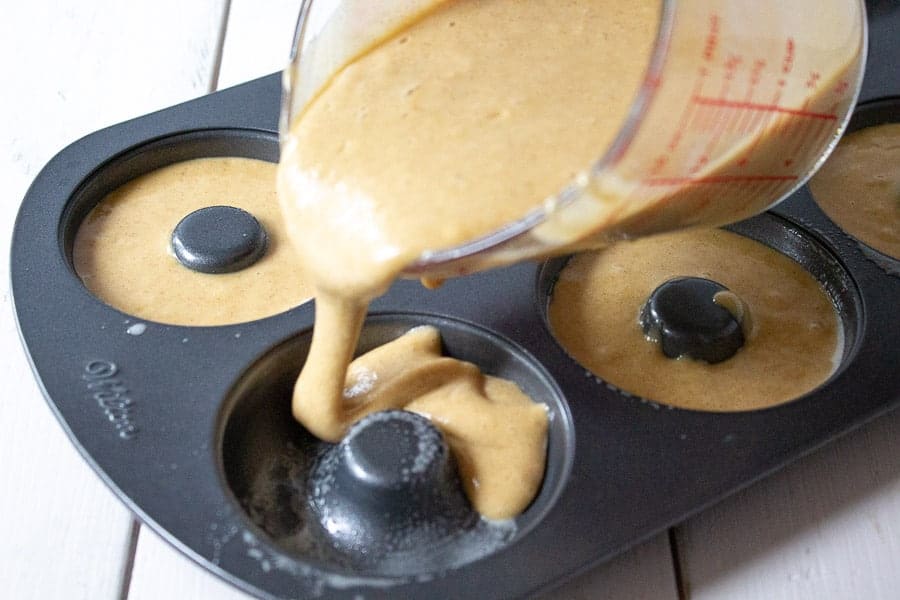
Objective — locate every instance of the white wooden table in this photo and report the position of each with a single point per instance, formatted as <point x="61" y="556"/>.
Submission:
<point x="826" y="527"/>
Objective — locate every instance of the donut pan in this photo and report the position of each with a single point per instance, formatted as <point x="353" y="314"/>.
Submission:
<point x="189" y="425"/>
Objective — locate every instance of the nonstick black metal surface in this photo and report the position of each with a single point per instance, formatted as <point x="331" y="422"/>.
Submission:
<point x="152" y="412"/>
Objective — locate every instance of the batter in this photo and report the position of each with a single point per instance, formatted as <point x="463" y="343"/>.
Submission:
<point x="859" y="187"/>
<point x="464" y="120"/>
<point x="495" y="432"/>
<point x="791" y="337"/>
<point x="442" y="83"/>
<point x="122" y="249"/>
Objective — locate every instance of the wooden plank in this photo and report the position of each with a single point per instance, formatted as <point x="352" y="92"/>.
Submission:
<point x="162" y="572"/>
<point x="52" y="507"/>
<point x="257" y="40"/>
<point x="826" y="527"/>
<point x="72" y="68"/>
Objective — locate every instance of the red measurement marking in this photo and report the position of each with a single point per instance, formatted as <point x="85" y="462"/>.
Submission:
<point x="760" y="120"/>
<point x="701" y="162"/>
<point x="751" y="120"/>
<point x="659" y="164"/>
<point x="755" y="77"/>
<point x="813" y="80"/>
<point x="712" y="37"/>
<point x="731" y="66"/>
<point x="724" y="121"/>
<point x="771" y="108"/>
<point x="673" y="143"/>
<point x="841" y="87"/>
<point x="719" y="119"/>
<point x="686" y="114"/>
<point x="721" y="122"/>
<point x="776" y="98"/>
<point x="787" y="63"/>
<point x="679" y="131"/>
<point x="716" y="179"/>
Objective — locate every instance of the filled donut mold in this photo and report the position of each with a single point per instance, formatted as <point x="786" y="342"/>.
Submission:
<point x="867" y="115"/>
<point x="186" y="229"/>
<point x="657" y="315"/>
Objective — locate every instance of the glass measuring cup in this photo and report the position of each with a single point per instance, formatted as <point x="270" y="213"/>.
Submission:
<point x="740" y="103"/>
